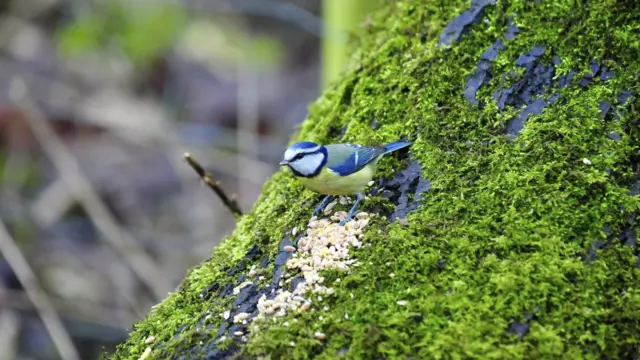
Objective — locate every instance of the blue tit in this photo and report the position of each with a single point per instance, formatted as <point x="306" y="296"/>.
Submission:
<point x="336" y="169"/>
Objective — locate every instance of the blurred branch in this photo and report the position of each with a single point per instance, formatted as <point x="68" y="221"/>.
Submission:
<point x="78" y="308"/>
<point x="70" y="172"/>
<point x="9" y="330"/>
<point x="343" y="16"/>
<point x="214" y="185"/>
<point x="283" y="11"/>
<point x="248" y="123"/>
<point x="13" y="256"/>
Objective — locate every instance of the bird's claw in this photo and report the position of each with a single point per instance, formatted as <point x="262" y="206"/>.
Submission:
<point x="322" y="205"/>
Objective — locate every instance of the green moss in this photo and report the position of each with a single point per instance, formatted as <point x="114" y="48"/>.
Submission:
<point x="507" y="227"/>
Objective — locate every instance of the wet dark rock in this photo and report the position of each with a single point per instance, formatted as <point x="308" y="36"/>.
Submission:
<point x="565" y="80"/>
<point x="482" y="74"/>
<point x="227" y="290"/>
<point x="277" y="275"/>
<point x="492" y="52"/>
<point x="240" y="267"/>
<point x="250" y="305"/>
<point x="593" y="251"/>
<point x="594" y="68"/>
<point x="615" y="136"/>
<point x="531" y="56"/>
<point x="207" y="293"/>
<point x="512" y="30"/>
<point x="521" y="328"/>
<point x="264" y="263"/>
<point x="517" y="124"/>
<point x="629" y="238"/>
<point x="245" y="294"/>
<point x="405" y="183"/>
<point x="461" y="23"/>
<point x="624" y="96"/>
<point x="606" y="74"/>
<point x="375" y="125"/>
<point x="535" y="80"/>
<point x="283" y="256"/>
<point x="242" y="278"/>
<point x="219" y="354"/>
<point x="295" y="282"/>
<point x="441" y="264"/>
<point x="604" y="108"/>
<point x="222" y="329"/>
<point x="253" y="253"/>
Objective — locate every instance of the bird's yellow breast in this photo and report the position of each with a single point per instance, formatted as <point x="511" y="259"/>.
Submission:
<point x="330" y="183"/>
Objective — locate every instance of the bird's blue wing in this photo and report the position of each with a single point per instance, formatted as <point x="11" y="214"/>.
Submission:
<point x="346" y="159"/>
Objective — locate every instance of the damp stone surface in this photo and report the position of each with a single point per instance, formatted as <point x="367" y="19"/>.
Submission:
<point x="505" y="243"/>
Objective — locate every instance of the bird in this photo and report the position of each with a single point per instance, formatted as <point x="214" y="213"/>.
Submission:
<point x="336" y="169"/>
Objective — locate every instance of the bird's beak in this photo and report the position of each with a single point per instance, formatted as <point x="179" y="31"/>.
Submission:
<point x="283" y="162"/>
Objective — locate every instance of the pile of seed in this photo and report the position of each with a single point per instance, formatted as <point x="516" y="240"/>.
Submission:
<point x="324" y="247"/>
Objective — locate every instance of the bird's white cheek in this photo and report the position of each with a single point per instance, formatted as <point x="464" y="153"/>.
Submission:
<point x="308" y="165"/>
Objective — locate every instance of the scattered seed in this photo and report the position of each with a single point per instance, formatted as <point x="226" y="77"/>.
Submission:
<point x="403" y="222"/>
<point x="241" y="317"/>
<point x="329" y="207"/>
<point x="586" y="161"/>
<point x="370" y="183"/>
<point x="226" y="314"/>
<point x="326" y="308"/>
<point x="294" y="231"/>
<point x="346" y="316"/>
<point x="320" y="336"/>
<point x="292" y="343"/>
<point x="145" y="354"/>
<point x="401" y="302"/>
<point x="289" y="248"/>
<point x="150" y="340"/>
<point x="238" y="333"/>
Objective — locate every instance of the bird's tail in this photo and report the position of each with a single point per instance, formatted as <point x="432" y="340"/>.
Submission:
<point x="395" y="146"/>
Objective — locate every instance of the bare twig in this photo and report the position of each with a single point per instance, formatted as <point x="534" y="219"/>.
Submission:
<point x="9" y="330"/>
<point x="229" y="202"/>
<point x="38" y="297"/>
<point x="69" y="170"/>
<point x="78" y="308"/>
<point x="248" y="122"/>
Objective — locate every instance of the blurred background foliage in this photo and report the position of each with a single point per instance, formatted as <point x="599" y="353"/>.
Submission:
<point x="99" y="99"/>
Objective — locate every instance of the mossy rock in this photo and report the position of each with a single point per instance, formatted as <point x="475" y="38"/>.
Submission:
<point x="518" y="197"/>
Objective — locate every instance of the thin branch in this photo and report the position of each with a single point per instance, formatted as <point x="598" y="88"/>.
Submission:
<point x="248" y="138"/>
<point x="69" y="170"/>
<point x="85" y="310"/>
<point x="214" y="185"/>
<point x="9" y="330"/>
<point x="38" y="297"/>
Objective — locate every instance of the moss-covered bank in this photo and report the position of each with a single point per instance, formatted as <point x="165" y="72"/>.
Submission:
<point x="525" y="121"/>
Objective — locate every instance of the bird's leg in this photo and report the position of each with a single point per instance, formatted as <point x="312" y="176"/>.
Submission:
<point x="322" y="205"/>
<point x="353" y="209"/>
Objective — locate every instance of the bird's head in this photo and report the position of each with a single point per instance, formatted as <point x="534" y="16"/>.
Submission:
<point x="305" y="159"/>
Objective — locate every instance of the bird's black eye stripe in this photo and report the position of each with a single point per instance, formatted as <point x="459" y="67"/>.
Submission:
<point x="298" y="156"/>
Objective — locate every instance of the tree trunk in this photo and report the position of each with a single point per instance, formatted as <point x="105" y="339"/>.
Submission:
<point x="507" y="230"/>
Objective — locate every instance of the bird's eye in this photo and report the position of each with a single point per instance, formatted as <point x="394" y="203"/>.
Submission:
<point x="298" y="157"/>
